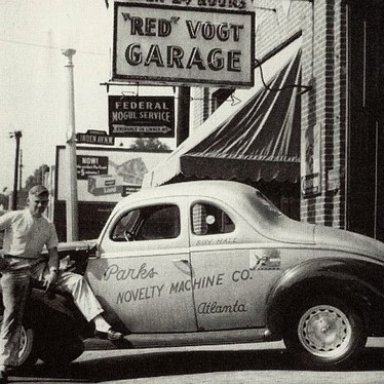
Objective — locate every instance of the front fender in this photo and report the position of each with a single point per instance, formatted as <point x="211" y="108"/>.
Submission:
<point x="357" y="282"/>
<point x="54" y="315"/>
<point x="74" y="255"/>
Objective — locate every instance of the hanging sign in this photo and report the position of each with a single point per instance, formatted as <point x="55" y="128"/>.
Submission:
<point x="168" y="45"/>
<point x="95" y="137"/>
<point x="141" y="116"/>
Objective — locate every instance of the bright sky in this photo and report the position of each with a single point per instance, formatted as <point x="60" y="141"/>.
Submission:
<point x="33" y="81"/>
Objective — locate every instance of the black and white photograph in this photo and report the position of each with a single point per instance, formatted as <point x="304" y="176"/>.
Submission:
<point x="192" y="191"/>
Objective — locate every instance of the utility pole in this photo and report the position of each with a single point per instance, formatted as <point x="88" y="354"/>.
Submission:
<point x="17" y="135"/>
<point x="71" y="202"/>
<point x="183" y="95"/>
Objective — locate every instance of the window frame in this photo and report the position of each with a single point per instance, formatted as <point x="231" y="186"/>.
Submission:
<point x="223" y="213"/>
<point x="142" y="218"/>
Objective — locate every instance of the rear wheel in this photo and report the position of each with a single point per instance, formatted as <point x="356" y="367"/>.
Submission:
<point x="325" y="333"/>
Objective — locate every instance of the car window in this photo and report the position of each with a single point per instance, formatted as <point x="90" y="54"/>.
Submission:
<point x="148" y="223"/>
<point x="208" y="219"/>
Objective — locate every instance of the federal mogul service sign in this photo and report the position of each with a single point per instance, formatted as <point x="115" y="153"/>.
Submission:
<point x="173" y="44"/>
<point x="141" y="116"/>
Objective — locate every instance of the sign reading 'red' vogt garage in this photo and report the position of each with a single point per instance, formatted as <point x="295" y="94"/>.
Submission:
<point x="142" y="116"/>
<point x="183" y="45"/>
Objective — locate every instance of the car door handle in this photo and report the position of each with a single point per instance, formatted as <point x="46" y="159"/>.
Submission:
<point x="183" y="265"/>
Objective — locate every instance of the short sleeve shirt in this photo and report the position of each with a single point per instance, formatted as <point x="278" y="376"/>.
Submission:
<point x="25" y="235"/>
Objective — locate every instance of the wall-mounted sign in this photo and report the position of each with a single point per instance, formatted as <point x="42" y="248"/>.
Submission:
<point x="168" y="44"/>
<point x="141" y="116"/>
<point x="220" y="4"/>
<point x="95" y="137"/>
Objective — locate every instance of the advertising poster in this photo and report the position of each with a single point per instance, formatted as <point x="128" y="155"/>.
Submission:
<point x="311" y="167"/>
<point x="105" y="175"/>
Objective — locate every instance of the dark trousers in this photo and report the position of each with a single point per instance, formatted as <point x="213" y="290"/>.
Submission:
<point x="15" y="288"/>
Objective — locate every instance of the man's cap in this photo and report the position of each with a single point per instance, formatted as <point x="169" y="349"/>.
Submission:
<point x="38" y="190"/>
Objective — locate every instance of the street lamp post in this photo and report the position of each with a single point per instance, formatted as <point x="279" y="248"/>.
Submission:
<point x="71" y="202"/>
<point x="17" y="135"/>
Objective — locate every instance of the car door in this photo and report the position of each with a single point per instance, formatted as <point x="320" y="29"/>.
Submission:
<point x="230" y="287"/>
<point x="144" y="249"/>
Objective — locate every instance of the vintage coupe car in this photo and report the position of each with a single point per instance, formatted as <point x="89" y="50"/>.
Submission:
<point x="214" y="262"/>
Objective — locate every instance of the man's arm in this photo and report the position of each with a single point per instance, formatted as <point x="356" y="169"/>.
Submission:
<point x="5" y="225"/>
<point x="53" y="262"/>
<point x="53" y="265"/>
<point x="6" y="219"/>
<point x="52" y="244"/>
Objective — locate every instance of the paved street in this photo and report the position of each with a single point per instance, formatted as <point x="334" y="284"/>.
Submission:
<point x="265" y="363"/>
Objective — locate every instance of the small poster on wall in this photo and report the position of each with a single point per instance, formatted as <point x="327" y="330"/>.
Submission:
<point x="311" y="167"/>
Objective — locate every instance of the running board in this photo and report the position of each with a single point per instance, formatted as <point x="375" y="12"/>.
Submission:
<point x="156" y="340"/>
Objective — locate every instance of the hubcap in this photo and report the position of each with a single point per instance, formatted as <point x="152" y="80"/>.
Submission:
<point x="324" y="331"/>
<point x="26" y="343"/>
<point x="26" y="340"/>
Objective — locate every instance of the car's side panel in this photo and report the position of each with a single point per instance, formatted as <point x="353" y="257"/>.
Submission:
<point x="232" y="272"/>
<point x="229" y="287"/>
<point x="132" y="280"/>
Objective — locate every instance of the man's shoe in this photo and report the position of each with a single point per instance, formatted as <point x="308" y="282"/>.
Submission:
<point x="3" y="377"/>
<point x="111" y="335"/>
<point x="114" y="335"/>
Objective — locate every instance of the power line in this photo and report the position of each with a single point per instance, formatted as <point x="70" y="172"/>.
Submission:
<point x="47" y="46"/>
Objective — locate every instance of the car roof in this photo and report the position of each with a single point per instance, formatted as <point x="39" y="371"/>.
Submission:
<point x="209" y="188"/>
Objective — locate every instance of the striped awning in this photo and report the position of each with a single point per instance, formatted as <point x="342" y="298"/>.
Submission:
<point x="260" y="140"/>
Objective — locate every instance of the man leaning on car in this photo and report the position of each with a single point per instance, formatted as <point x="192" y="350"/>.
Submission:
<point x="26" y="232"/>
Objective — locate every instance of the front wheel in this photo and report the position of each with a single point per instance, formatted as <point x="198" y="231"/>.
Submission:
<point x="28" y="350"/>
<point x="325" y="333"/>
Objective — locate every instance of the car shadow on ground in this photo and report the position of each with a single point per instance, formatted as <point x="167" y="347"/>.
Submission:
<point x="154" y="364"/>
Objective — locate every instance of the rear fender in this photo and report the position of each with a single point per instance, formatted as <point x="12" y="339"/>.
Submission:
<point x="358" y="282"/>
